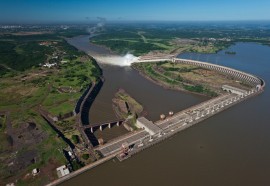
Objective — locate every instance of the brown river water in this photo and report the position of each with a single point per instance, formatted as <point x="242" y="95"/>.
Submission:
<point x="231" y="148"/>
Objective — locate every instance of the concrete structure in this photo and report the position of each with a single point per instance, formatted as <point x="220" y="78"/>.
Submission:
<point x="123" y="106"/>
<point x="153" y="60"/>
<point x="35" y="172"/>
<point x="103" y="125"/>
<point x="177" y="122"/>
<point x="148" y="126"/>
<point x="49" y="65"/>
<point x="234" y="90"/>
<point x="155" y="57"/>
<point x="242" y="76"/>
<point x="188" y="117"/>
<point x="116" y="145"/>
<point x="259" y="87"/>
<point x="125" y="147"/>
<point x="62" y="171"/>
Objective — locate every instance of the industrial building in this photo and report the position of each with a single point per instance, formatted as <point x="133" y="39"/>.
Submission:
<point x="62" y="171"/>
<point x="148" y="126"/>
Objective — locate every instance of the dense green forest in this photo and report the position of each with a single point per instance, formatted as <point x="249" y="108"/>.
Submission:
<point x="22" y="55"/>
<point x="141" y="38"/>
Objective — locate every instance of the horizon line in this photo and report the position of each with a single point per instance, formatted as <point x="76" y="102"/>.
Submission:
<point x="123" y="21"/>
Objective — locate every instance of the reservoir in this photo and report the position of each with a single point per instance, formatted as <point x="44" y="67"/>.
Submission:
<point x="231" y="148"/>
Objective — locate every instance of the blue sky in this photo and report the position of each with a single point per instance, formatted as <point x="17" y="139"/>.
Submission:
<point x="175" y="10"/>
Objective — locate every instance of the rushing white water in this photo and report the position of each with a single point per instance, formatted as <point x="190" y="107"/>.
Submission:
<point x="126" y="60"/>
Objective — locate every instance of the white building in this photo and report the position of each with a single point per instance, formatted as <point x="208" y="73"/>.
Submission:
<point x="62" y="171"/>
<point x="63" y="61"/>
<point x="49" y="65"/>
<point x="35" y="172"/>
<point x="148" y="126"/>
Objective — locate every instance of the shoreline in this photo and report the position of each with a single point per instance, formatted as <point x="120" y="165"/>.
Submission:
<point x="165" y="86"/>
<point x="81" y="170"/>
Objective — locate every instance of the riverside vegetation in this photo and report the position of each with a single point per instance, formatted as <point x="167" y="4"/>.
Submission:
<point x="27" y="141"/>
<point x="186" y="77"/>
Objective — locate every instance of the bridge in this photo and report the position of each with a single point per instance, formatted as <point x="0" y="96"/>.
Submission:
<point x="171" y="125"/>
<point x="102" y="125"/>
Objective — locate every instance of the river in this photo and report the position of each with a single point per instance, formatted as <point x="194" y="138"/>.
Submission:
<point x="155" y="99"/>
<point x="231" y="148"/>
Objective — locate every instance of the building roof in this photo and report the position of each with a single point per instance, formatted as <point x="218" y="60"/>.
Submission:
<point x="62" y="171"/>
<point x="149" y="125"/>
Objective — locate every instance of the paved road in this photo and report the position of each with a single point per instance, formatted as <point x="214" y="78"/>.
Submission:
<point x="115" y="146"/>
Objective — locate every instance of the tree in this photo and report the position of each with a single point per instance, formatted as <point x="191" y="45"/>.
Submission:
<point x="85" y="156"/>
<point x="75" y="139"/>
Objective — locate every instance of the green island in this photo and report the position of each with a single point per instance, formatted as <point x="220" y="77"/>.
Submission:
<point x="127" y="107"/>
<point x="186" y="77"/>
<point x="126" y="104"/>
<point x="39" y="72"/>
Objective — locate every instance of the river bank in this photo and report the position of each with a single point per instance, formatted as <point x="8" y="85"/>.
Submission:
<point x="81" y="170"/>
<point x="163" y="84"/>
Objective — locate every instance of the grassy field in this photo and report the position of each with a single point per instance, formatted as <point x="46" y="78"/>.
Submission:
<point x="25" y="86"/>
<point x="187" y="77"/>
<point x="44" y="87"/>
<point x="72" y="78"/>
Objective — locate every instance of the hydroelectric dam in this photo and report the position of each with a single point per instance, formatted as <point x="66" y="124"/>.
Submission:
<point x="150" y="133"/>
